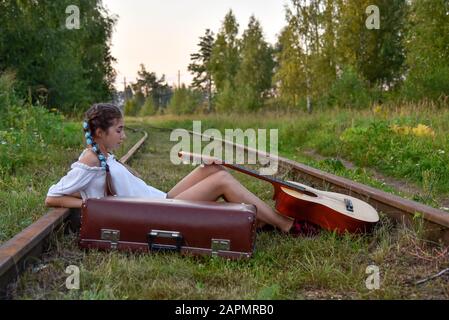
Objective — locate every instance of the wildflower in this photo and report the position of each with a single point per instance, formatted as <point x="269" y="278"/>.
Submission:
<point x="441" y="151"/>
<point x="423" y="131"/>
<point x="420" y="130"/>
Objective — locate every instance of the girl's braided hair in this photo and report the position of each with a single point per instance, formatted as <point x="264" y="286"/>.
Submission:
<point x="101" y="116"/>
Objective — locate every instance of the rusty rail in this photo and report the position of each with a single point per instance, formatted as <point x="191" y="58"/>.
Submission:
<point x="22" y="250"/>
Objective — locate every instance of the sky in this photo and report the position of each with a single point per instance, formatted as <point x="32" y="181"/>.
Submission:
<point x="162" y="34"/>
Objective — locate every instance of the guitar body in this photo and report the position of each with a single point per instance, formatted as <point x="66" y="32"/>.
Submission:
<point x="325" y="209"/>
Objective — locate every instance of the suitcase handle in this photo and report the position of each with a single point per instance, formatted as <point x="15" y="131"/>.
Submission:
<point x="153" y="234"/>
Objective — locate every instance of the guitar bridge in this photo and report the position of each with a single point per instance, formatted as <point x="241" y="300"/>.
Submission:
<point x="349" y="205"/>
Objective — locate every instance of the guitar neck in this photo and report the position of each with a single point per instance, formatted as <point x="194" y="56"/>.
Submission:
<point x="254" y="173"/>
<point x="257" y="175"/>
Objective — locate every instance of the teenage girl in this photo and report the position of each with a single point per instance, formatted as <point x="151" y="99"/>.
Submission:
<point x="96" y="166"/>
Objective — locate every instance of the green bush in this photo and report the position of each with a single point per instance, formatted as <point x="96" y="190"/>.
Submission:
<point x="432" y="83"/>
<point x="131" y="108"/>
<point x="350" y="90"/>
<point x="26" y="132"/>
<point x="184" y="101"/>
<point x="148" y="108"/>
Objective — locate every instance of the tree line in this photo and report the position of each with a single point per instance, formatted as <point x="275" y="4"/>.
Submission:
<point x="52" y="64"/>
<point x="327" y="55"/>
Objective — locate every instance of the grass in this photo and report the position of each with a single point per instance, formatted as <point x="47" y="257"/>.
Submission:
<point x="324" y="267"/>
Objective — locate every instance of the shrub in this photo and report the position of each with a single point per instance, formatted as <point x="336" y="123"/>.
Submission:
<point x="148" y="108"/>
<point x="28" y="131"/>
<point x="131" y="107"/>
<point x="350" y="90"/>
<point x="184" y="101"/>
<point x="431" y="83"/>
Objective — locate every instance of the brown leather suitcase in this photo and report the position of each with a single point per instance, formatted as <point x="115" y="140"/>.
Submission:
<point x="189" y="227"/>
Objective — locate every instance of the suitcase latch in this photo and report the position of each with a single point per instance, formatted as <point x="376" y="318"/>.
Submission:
<point x="175" y="235"/>
<point x="220" y="245"/>
<point x="111" y="235"/>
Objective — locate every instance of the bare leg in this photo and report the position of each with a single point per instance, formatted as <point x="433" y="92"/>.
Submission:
<point x="222" y="183"/>
<point x="198" y="174"/>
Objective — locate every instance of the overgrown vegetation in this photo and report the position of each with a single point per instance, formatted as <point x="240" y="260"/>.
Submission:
<point x="324" y="267"/>
<point x="360" y="81"/>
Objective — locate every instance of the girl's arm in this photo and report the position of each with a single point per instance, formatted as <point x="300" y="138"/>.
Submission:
<point x="64" y="202"/>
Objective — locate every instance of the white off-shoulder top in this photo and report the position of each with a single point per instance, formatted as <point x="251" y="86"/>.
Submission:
<point x="90" y="182"/>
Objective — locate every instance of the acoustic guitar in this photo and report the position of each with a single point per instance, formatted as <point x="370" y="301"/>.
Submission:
<point x="329" y="210"/>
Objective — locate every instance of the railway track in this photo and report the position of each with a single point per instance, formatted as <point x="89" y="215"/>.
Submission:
<point x="21" y="251"/>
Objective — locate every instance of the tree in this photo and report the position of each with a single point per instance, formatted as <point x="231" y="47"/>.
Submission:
<point x="200" y="68"/>
<point x="333" y="37"/>
<point x="73" y="66"/>
<point x="147" y="81"/>
<point x="310" y="39"/>
<point x="128" y="93"/>
<point x="224" y="61"/>
<point x="184" y="101"/>
<point x="376" y="54"/>
<point x="290" y="74"/>
<point x="427" y="50"/>
<point x="254" y="77"/>
<point x="149" y="85"/>
<point x="148" y="108"/>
